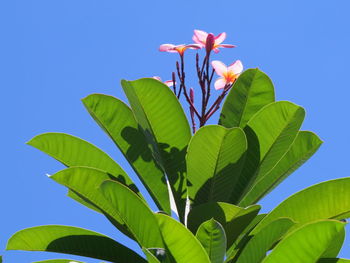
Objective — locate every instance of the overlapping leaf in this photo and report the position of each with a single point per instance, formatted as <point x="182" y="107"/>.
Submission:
<point x="72" y="240"/>
<point x="73" y="151"/>
<point x="333" y="260"/>
<point x="138" y="217"/>
<point x="213" y="238"/>
<point x="150" y="257"/>
<point x="307" y="243"/>
<point x="166" y="129"/>
<point x="270" y="133"/>
<point x="215" y="159"/>
<point x="252" y="91"/>
<point x="305" y="145"/>
<point x="118" y="121"/>
<point x="233" y="219"/>
<point x="220" y="211"/>
<point x="257" y="247"/>
<point x="327" y="200"/>
<point x="243" y="238"/>
<point x="182" y="244"/>
<point x="85" y="182"/>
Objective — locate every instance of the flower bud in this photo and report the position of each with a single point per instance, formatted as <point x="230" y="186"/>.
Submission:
<point x="209" y="43"/>
<point x="192" y="95"/>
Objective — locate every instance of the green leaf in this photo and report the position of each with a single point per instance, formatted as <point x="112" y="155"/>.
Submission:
<point x="306" y="244"/>
<point x="85" y="182"/>
<point x="83" y="201"/>
<point x="163" y="121"/>
<point x="259" y="244"/>
<point x="220" y="211"/>
<point x="135" y="213"/>
<point x="73" y="151"/>
<point x="59" y="261"/>
<point x="252" y="91"/>
<point x="72" y="240"/>
<point x="243" y="238"/>
<point x="212" y="237"/>
<point x="333" y="260"/>
<point x="150" y="257"/>
<point x="327" y="200"/>
<point x="270" y="132"/>
<point x="181" y="243"/>
<point x="118" y="121"/>
<point x="305" y="145"/>
<point x="239" y="223"/>
<point x="214" y="163"/>
<point x="336" y="245"/>
<point x="232" y="218"/>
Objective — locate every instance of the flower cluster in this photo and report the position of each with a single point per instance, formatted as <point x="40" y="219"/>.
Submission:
<point x="205" y="71"/>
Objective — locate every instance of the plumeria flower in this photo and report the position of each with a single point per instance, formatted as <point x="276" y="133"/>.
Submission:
<point x="178" y="48"/>
<point x="169" y="83"/>
<point x="228" y="74"/>
<point x="200" y="37"/>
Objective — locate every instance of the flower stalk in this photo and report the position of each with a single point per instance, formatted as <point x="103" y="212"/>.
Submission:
<point x="205" y="73"/>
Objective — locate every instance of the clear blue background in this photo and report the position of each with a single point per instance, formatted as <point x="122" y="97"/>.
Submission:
<point x="55" y="52"/>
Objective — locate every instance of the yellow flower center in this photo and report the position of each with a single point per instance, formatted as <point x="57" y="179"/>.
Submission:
<point x="181" y="49"/>
<point x="230" y="76"/>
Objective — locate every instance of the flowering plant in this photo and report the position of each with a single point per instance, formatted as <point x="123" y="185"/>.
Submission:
<point x="205" y="184"/>
<point x="205" y="74"/>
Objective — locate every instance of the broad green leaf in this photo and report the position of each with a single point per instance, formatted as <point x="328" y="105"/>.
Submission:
<point x="213" y="238"/>
<point x="333" y="260"/>
<point x="163" y="121"/>
<point x="59" y="261"/>
<point x="215" y="158"/>
<point x="72" y="240"/>
<point x="252" y="91"/>
<point x="83" y="201"/>
<point x="233" y="219"/>
<point x="85" y="182"/>
<point x="306" y="244"/>
<point x="73" y="151"/>
<point x="258" y="245"/>
<point x="118" y="121"/>
<point x="150" y="257"/>
<point x="336" y="245"/>
<point x="327" y="200"/>
<point x="270" y="132"/>
<point x="243" y="238"/>
<point x="239" y="223"/>
<point x="135" y="213"/>
<point x="305" y="145"/>
<point x="182" y="244"/>
<point x="220" y="211"/>
<point x="276" y="127"/>
<point x="158" y="255"/>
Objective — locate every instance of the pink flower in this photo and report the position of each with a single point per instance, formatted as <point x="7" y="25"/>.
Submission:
<point x="200" y="37"/>
<point x="169" y="83"/>
<point x="228" y="74"/>
<point x="178" y="48"/>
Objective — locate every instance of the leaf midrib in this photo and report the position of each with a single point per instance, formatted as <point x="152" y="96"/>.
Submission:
<point x="216" y="165"/>
<point x="290" y="169"/>
<point x="246" y="101"/>
<point x="256" y="173"/>
<point x="150" y="190"/>
<point x="148" y="124"/>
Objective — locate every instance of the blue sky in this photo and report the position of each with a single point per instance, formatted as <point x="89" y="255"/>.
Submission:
<point x="53" y="53"/>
